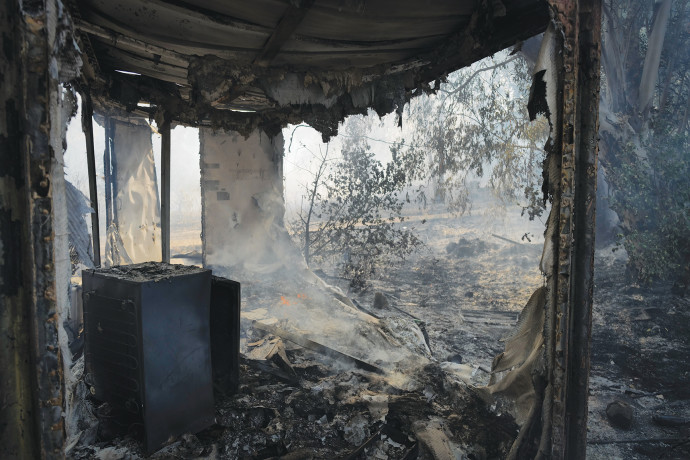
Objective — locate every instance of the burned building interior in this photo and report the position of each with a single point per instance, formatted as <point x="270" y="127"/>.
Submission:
<point x="162" y="341"/>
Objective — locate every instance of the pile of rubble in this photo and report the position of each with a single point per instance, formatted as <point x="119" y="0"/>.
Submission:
<point x="320" y="377"/>
<point x="297" y="403"/>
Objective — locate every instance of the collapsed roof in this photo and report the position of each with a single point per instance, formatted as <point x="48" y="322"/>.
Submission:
<point x="265" y="89"/>
<point x="266" y="63"/>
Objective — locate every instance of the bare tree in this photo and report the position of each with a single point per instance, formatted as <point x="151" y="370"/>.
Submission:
<point x="313" y="197"/>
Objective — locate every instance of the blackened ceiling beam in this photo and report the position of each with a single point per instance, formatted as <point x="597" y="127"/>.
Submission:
<point x="124" y="42"/>
<point x="286" y="27"/>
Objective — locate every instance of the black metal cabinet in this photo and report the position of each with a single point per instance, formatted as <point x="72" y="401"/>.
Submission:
<point x="147" y="347"/>
<point x="225" y="334"/>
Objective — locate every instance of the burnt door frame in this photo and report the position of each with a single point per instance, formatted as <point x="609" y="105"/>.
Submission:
<point x="569" y="314"/>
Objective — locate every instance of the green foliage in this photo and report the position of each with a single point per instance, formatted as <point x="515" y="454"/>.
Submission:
<point x="478" y="124"/>
<point x="653" y="201"/>
<point x="357" y="214"/>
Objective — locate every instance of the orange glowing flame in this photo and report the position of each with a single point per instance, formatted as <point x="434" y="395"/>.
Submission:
<point x="284" y="300"/>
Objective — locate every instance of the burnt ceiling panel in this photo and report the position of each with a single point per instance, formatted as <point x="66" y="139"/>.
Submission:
<point x="334" y="26"/>
<point x="301" y="43"/>
<point x="265" y="13"/>
<point x="230" y="55"/>
<point x="172" y="24"/>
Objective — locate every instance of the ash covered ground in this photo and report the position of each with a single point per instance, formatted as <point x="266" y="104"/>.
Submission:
<point x="468" y="287"/>
<point x="464" y="290"/>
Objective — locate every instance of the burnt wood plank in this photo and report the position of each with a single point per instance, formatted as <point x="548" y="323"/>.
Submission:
<point x="286" y="27"/>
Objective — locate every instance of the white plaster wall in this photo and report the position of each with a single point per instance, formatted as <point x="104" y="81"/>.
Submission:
<point x="242" y="201"/>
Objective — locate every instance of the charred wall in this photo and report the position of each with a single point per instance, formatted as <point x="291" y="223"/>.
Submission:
<point x="18" y="434"/>
<point x="37" y="52"/>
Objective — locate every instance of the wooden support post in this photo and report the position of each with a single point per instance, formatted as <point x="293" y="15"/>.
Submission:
<point x="165" y="191"/>
<point x="87" y="126"/>
<point x="582" y="279"/>
<point x="293" y="16"/>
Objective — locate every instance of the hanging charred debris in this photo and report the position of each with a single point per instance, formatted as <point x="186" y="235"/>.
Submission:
<point x="305" y="373"/>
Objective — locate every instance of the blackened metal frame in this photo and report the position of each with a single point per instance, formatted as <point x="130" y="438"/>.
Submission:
<point x="568" y="352"/>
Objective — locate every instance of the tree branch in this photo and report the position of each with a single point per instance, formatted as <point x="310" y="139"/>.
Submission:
<point x="464" y="84"/>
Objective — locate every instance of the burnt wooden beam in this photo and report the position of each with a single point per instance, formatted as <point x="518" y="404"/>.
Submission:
<point x="165" y="191"/>
<point x="286" y="27"/>
<point x="587" y="75"/>
<point x="87" y="127"/>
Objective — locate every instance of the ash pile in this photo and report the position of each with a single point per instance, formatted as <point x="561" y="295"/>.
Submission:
<point x="294" y="403"/>
<point x="312" y="410"/>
